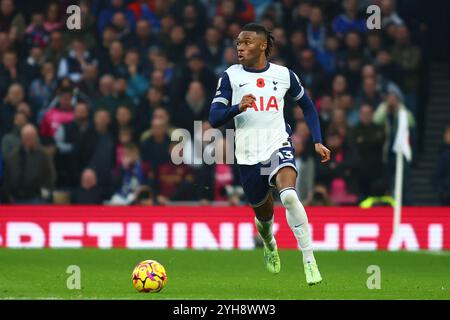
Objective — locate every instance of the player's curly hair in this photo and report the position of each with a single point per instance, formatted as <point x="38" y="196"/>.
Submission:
<point x="260" y="29"/>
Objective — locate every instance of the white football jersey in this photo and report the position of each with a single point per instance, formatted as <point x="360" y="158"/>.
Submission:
<point x="260" y="130"/>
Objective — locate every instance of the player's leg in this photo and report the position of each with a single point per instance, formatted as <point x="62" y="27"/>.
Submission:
<point x="264" y="218"/>
<point x="264" y="221"/>
<point x="298" y="221"/>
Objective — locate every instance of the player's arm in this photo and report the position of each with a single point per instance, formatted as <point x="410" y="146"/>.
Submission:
<point x="221" y="111"/>
<point x="299" y="94"/>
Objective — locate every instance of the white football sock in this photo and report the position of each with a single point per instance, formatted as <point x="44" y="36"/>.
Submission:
<point x="265" y="231"/>
<point x="298" y="221"/>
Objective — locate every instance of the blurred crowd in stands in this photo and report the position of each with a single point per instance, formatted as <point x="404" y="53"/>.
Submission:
<point x="86" y="115"/>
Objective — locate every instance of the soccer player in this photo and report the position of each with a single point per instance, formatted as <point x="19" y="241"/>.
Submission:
<point x="252" y="93"/>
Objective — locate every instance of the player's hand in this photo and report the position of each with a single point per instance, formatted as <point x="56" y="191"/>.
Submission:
<point x="324" y="152"/>
<point x="246" y="102"/>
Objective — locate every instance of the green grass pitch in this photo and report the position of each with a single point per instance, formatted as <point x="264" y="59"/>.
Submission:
<point x="105" y="274"/>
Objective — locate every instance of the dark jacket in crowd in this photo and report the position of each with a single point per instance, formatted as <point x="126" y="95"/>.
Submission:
<point x="74" y="152"/>
<point x="441" y="176"/>
<point x="27" y="172"/>
<point x="87" y="196"/>
<point x="345" y="169"/>
<point x="369" y="142"/>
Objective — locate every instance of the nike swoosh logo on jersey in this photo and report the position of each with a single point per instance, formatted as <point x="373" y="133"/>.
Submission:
<point x="298" y="225"/>
<point x="241" y="85"/>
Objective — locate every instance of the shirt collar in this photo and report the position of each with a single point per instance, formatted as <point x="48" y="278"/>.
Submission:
<point x="257" y="70"/>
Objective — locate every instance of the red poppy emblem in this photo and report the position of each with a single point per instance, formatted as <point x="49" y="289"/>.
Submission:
<point x="260" y="82"/>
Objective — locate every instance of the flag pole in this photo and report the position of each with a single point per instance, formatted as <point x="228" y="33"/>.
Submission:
<point x="398" y="192"/>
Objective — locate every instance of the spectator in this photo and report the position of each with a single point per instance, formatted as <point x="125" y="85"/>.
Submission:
<point x="123" y="120"/>
<point x="388" y="68"/>
<point x="297" y="43"/>
<point x="9" y="107"/>
<point x="55" y="50"/>
<point x="68" y="139"/>
<point x="374" y="45"/>
<point x="301" y="15"/>
<point x="114" y="63"/>
<point x="339" y="174"/>
<point x="144" y="12"/>
<point x="369" y="93"/>
<point x="368" y="138"/>
<point x="124" y="138"/>
<point x="107" y="14"/>
<point x="389" y="14"/>
<point x="383" y="84"/>
<point x="53" y="21"/>
<point x="58" y="115"/>
<point x="106" y="88"/>
<point x="352" y="72"/>
<point x="101" y="50"/>
<point x="196" y="70"/>
<point x="310" y="72"/>
<point x="194" y="108"/>
<point x="88" y="84"/>
<point x="213" y="47"/>
<point x="158" y="114"/>
<point x="174" y="182"/>
<point x="386" y="115"/>
<point x="441" y="174"/>
<point x="409" y="57"/>
<point x="29" y="170"/>
<point x="129" y="177"/>
<point x="77" y="60"/>
<point x="11" y="20"/>
<point x="329" y="55"/>
<point x="35" y="33"/>
<point x="161" y="64"/>
<point x="11" y="140"/>
<point x="319" y="197"/>
<point x="31" y="69"/>
<point x="350" y="20"/>
<point x="155" y="148"/>
<point x="339" y="122"/>
<point x="240" y="10"/>
<point x="121" y="24"/>
<point x="88" y="193"/>
<point x="193" y="20"/>
<point x="137" y="83"/>
<point x="325" y="106"/>
<point x="280" y="50"/>
<point x="146" y="108"/>
<point x="143" y="38"/>
<point x="9" y="71"/>
<point x="215" y="182"/>
<point x="315" y="30"/>
<point x="99" y="151"/>
<point x="175" y="45"/>
<point x="117" y="97"/>
<point x="228" y="59"/>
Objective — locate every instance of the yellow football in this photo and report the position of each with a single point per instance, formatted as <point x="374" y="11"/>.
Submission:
<point x="149" y="276"/>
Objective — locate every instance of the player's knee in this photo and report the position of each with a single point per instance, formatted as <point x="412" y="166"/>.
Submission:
<point x="289" y="198"/>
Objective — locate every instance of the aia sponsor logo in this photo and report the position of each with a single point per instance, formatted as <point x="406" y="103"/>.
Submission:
<point x="264" y="105"/>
